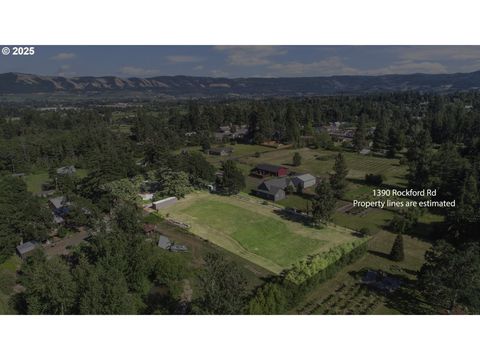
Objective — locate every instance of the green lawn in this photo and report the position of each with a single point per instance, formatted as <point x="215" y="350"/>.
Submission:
<point x="34" y="181"/>
<point x="254" y="231"/>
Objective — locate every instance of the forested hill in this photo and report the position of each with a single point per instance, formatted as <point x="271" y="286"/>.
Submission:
<point x="17" y="83"/>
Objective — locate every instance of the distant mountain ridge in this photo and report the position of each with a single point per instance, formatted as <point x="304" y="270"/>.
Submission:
<point x="18" y="83"/>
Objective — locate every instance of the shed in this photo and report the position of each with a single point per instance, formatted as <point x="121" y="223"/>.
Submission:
<point x="146" y="196"/>
<point x="178" y="248"/>
<point x="364" y="151"/>
<point x="225" y="151"/>
<point x="25" y="249"/>
<point x="304" y="181"/>
<point x="161" y="204"/>
<point x="66" y="170"/>
<point x="164" y="242"/>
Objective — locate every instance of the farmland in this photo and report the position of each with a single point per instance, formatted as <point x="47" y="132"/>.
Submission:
<point x="320" y="162"/>
<point x="345" y="294"/>
<point x="254" y="231"/>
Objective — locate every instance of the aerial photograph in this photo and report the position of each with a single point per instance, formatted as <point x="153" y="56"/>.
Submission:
<point x="239" y="180"/>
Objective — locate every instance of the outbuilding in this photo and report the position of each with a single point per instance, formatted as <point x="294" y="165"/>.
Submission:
<point x="24" y="250"/>
<point x="161" y="204"/>
<point x="225" y="151"/>
<point x="164" y="242"/>
<point x="304" y="181"/>
<point x="271" y="170"/>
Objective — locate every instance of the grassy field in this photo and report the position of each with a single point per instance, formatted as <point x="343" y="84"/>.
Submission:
<point x="34" y="181"/>
<point x="239" y="151"/>
<point x="254" y="231"/>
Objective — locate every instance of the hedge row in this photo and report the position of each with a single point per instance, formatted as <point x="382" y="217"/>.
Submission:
<point x="308" y="268"/>
<point x="280" y="295"/>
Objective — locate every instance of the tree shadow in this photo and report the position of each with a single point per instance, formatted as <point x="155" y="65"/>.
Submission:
<point x="405" y="298"/>
<point x="380" y="254"/>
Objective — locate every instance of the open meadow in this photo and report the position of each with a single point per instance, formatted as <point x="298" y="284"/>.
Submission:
<point x="243" y="225"/>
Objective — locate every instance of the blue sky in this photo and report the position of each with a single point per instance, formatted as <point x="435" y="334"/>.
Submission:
<point x="243" y="61"/>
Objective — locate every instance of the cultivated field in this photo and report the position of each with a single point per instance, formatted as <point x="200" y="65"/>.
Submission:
<point x="242" y="225"/>
<point x="345" y="294"/>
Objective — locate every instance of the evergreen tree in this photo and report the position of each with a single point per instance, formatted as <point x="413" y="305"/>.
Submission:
<point x="292" y="127"/>
<point x="451" y="276"/>
<point x="397" y="252"/>
<point x="360" y="136"/>
<point x="297" y="159"/>
<point x="323" y="204"/>
<point x="395" y="142"/>
<point x="380" y="136"/>
<point x="233" y="180"/>
<point x="338" y="180"/>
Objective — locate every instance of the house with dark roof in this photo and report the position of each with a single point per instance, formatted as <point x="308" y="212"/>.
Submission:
<point x="273" y="194"/>
<point x="24" y="250"/>
<point x="59" y="205"/>
<point x="273" y="189"/>
<point x="269" y="170"/>
<point x="281" y="183"/>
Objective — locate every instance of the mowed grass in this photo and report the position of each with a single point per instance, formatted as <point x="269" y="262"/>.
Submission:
<point x="35" y="181"/>
<point x="254" y="231"/>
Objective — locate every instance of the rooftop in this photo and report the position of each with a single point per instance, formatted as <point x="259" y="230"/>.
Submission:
<point x="269" y="167"/>
<point x="27" y="247"/>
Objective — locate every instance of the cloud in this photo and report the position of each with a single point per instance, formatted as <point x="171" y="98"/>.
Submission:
<point x="138" y="71"/>
<point x="438" y="53"/>
<point x="330" y="66"/>
<point x="63" y="56"/>
<point x="198" y="67"/>
<point x="336" y="66"/>
<point x="410" y="67"/>
<point x="251" y="55"/>
<point x="184" y="58"/>
<point x="219" y="73"/>
<point x="64" y="71"/>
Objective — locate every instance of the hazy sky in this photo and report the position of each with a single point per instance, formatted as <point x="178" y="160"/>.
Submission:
<point x="243" y="61"/>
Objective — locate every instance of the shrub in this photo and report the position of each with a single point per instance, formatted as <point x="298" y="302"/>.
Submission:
<point x="365" y="231"/>
<point x="62" y="232"/>
<point x="374" y="179"/>
<point x="397" y="253"/>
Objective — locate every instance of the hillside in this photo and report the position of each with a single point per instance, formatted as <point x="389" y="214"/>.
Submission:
<point x="18" y="83"/>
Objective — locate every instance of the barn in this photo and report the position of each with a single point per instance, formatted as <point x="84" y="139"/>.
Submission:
<point x="269" y="170"/>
